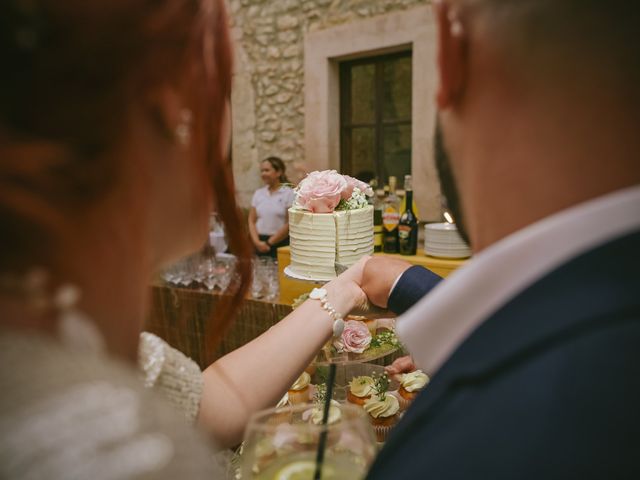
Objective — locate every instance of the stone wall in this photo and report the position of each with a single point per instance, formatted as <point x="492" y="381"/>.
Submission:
<point x="268" y="96"/>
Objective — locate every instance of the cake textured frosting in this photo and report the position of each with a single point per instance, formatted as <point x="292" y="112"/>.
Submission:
<point x="320" y="240"/>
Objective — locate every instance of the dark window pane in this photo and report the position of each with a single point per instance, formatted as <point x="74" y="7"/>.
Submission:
<point x="375" y="94"/>
<point x="363" y="145"/>
<point x="397" y="151"/>
<point x="363" y="83"/>
<point x="396" y="89"/>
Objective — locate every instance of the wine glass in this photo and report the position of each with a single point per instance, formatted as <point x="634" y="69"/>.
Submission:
<point x="282" y="443"/>
<point x="217" y="235"/>
<point x="209" y="272"/>
<point x="225" y="268"/>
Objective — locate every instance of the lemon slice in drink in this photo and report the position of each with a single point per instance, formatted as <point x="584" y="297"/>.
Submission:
<point x="302" y="470"/>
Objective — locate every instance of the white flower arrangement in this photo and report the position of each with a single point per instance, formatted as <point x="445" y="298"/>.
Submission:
<point x="358" y="200"/>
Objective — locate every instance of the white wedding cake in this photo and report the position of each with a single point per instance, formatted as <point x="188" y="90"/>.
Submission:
<point x="320" y="240"/>
<point x="330" y="223"/>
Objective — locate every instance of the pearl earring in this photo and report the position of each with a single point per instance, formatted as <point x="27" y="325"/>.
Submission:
<point x="183" y="129"/>
<point x="456" y="28"/>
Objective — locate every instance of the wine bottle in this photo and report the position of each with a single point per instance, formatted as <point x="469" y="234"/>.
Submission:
<point x="408" y="226"/>
<point x="391" y="219"/>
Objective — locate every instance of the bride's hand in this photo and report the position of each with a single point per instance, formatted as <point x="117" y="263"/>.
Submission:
<point x="348" y="287"/>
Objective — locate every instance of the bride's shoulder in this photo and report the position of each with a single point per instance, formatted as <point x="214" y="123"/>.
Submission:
<point x="73" y="414"/>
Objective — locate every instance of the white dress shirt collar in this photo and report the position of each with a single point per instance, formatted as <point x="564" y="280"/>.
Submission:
<point x="438" y="323"/>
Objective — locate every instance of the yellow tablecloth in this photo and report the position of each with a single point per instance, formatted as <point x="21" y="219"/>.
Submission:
<point x="290" y="288"/>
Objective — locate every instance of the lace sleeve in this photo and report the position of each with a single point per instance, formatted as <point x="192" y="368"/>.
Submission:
<point x="177" y="377"/>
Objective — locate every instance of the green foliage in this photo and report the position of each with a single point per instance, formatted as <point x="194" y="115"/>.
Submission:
<point x="381" y="385"/>
<point x="385" y="338"/>
<point x="358" y="200"/>
<point x="321" y="393"/>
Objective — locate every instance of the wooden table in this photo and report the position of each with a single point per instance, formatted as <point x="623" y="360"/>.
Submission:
<point x="290" y="288"/>
<point x="184" y="317"/>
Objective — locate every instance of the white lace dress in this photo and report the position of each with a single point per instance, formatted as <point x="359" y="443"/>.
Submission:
<point x="69" y="414"/>
<point x="174" y="375"/>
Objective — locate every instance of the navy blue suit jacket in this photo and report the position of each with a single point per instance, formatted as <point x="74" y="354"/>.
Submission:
<point x="414" y="283"/>
<point x="546" y="388"/>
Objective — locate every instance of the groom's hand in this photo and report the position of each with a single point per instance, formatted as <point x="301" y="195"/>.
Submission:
<point x="379" y="275"/>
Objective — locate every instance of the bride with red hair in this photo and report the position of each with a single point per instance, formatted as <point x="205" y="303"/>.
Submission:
<point x="113" y="123"/>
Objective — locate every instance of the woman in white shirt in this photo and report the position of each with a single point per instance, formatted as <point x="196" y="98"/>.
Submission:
<point x="268" y="217"/>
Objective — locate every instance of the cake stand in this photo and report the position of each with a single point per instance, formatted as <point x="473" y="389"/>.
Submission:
<point x="347" y="366"/>
<point x="346" y="361"/>
<point x="289" y="273"/>
<point x="369" y="356"/>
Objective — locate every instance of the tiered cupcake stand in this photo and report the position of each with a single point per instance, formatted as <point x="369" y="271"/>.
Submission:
<point x="348" y="365"/>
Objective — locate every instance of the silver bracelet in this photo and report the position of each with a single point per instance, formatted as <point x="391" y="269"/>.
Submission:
<point x="338" y="321"/>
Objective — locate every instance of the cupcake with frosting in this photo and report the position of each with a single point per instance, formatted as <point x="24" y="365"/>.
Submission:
<point x="410" y="385"/>
<point x="314" y="415"/>
<point x="299" y="391"/>
<point x="383" y="409"/>
<point x="360" y="389"/>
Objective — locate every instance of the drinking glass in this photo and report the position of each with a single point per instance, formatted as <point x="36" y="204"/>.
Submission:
<point x="181" y="273"/>
<point x="259" y="276"/>
<point x="282" y="443"/>
<point x="225" y="268"/>
<point x="209" y="272"/>
<point x="190" y="269"/>
<point x="217" y="235"/>
<point x="272" y="281"/>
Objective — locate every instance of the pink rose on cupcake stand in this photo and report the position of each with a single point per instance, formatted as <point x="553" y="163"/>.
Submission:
<point x="355" y="337"/>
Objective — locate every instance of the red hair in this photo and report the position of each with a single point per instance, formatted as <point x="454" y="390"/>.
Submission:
<point x="71" y="70"/>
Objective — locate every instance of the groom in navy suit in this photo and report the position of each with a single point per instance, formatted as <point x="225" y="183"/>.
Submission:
<point x="534" y="345"/>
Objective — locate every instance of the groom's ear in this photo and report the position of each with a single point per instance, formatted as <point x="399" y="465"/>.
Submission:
<point x="451" y="55"/>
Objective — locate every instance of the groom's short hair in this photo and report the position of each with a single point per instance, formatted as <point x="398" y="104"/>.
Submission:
<point x="566" y="38"/>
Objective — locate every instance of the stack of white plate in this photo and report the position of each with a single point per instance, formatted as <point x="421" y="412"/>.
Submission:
<point x="443" y="240"/>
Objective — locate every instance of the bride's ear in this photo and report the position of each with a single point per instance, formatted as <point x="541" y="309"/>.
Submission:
<point x="169" y="115"/>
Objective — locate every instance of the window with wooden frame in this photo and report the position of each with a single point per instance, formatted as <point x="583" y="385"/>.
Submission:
<point x="375" y="117"/>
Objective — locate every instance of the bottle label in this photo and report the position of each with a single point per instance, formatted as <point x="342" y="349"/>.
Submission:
<point x="377" y="236"/>
<point x="404" y="232"/>
<point x="390" y="218"/>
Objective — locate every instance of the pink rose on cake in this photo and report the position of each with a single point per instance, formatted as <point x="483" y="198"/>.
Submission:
<point x="327" y="191"/>
<point x="355" y="337"/>
<point x="355" y="183"/>
<point x="320" y="192"/>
